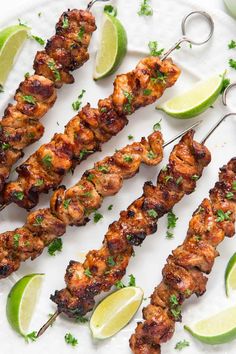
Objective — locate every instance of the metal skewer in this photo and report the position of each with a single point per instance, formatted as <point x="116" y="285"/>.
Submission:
<point x="224" y="96"/>
<point x="181" y="40"/>
<point x="57" y="313"/>
<point x="184" y="38"/>
<point x="91" y="3"/>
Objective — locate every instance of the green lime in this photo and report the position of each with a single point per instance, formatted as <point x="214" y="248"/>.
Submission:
<point x="230" y="275"/>
<point x="22" y="300"/>
<point x="115" y="312"/>
<point x="11" y="41"/>
<point x="194" y="101"/>
<point x="217" y="329"/>
<point x="112" y="48"/>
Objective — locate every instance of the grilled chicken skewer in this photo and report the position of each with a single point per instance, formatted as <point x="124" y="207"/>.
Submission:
<point x="74" y="205"/>
<point x="64" y="52"/>
<point x="97" y="273"/>
<point x="183" y="274"/>
<point x="84" y="134"/>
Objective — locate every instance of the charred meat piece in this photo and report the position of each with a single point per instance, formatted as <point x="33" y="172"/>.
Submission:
<point x="64" y="52"/>
<point x="134" y="224"/>
<point x="91" y="127"/>
<point x="183" y="274"/>
<point x="74" y="205"/>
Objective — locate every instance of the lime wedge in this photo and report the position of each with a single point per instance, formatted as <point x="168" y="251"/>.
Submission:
<point x="230" y="275"/>
<point x="112" y="48"/>
<point x="22" y="300"/>
<point x="11" y="41"/>
<point x="115" y="312"/>
<point x="195" y="101"/>
<point x="218" y="329"/>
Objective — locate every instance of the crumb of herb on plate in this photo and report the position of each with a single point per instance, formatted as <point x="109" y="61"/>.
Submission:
<point x="145" y="8"/>
<point x="153" y="48"/>
<point x="182" y="344"/>
<point x="232" y="44"/>
<point x="77" y="104"/>
<point x="70" y="339"/>
<point x="55" y="246"/>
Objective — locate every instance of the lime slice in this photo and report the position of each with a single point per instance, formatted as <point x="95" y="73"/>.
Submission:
<point x="22" y="300"/>
<point x="11" y="41"/>
<point x="115" y="312"/>
<point x="230" y="275"/>
<point x="112" y="49"/>
<point x="195" y="101"/>
<point x="218" y="329"/>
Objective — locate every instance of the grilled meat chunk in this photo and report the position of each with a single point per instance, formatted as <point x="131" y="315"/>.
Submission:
<point x="73" y="206"/>
<point x="64" y="52"/>
<point x="134" y="224"/>
<point x="91" y="127"/>
<point x="183" y="274"/>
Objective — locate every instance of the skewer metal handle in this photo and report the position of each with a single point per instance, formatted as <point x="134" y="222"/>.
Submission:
<point x="184" y="31"/>
<point x="91" y="3"/>
<point x="224" y="100"/>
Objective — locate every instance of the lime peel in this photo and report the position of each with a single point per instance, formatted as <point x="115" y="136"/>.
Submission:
<point x="21" y="302"/>
<point x="11" y="41"/>
<point x="113" y="47"/>
<point x="230" y="275"/>
<point x="196" y="100"/>
<point x="217" y="329"/>
<point x="115" y="312"/>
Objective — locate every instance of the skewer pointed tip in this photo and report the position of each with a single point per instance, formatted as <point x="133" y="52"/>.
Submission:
<point x="48" y="323"/>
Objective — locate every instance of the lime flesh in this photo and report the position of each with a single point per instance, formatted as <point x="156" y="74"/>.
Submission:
<point x="11" y="41"/>
<point x="194" y="101"/>
<point x="21" y="302"/>
<point x="112" y="48"/>
<point x="115" y="312"/>
<point x="230" y="275"/>
<point x="218" y="329"/>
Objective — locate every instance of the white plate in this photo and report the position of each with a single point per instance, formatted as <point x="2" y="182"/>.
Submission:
<point x="196" y="63"/>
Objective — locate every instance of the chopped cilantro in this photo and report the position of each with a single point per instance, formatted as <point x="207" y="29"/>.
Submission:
<point x="55" y="246"/>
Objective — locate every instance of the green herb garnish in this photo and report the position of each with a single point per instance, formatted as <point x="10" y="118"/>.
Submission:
<point x="222" y="216"/>
<point x="47" y="160"/>
<point x="55" y="246"/>
<point x="19" y="195"/>
<point x="88" y="273"/>
<point x="110" y="10"/>
<point x="65" y="22"/>
<point x="77" y="104"/>
<point x="38" y="39"/>
<point x="69" y="339"/>
<point x="29" y="99"/>
<point x="232" y="44"/>
<point x="182" y="344"/>
<point x="16" y="238"/>
<point x="145" y="9"/>
<point x="152" y="213"/>
<point x="97" y="217"/>
<point x="232" y="63"/>
<point x="157" y="126"/>
<point x="56" y="73"/>
<point x="30" y="337"/>
<point x="153" y="47"/>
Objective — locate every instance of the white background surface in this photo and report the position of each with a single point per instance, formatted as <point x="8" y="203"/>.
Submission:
<point x="146" y="266"/>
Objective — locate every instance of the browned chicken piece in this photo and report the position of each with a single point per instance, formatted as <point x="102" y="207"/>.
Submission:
<point x="91" y="127"/>
<point x="74" y="205"/>
<point x="64" y="52"/>
<point x="183" y="274"/>
<point x="97" y="273"/>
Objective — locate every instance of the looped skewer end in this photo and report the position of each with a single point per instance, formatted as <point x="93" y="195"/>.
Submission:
<point x="184" y="38"/>
<point x="91" y="3"/>
<point x="224" y="96"/>
<point x="48" y="323"/>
